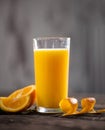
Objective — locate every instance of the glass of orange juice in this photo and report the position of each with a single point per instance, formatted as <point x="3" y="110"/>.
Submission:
<point x="51" y="66"/>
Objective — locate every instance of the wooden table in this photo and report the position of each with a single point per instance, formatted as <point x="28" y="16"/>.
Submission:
<point x="36" y="121"/>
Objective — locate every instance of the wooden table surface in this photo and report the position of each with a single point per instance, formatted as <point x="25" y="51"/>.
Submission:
<point x="36" y="121"/>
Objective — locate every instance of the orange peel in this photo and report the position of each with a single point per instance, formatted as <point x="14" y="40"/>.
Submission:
<point x="87" y="105"/>
<point x="68" y="106"/>
<point x="100" y="111"/>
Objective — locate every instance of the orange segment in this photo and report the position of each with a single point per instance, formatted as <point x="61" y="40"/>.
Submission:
<point x="14" y="104"/>
<point x="69" y="105"/>
<point x="88" y="105"/>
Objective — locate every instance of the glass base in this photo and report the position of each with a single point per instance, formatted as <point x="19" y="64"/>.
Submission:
<point x="48" y="110"/>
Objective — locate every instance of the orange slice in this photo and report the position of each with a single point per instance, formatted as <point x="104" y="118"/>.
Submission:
<point x="88" y="105"/>
<point x="26" y="91"/>
<point x="14" y="104"/>
<point x="20" y="99"/>
<point x="23" y="92"/>
<point x="69" y="106"/>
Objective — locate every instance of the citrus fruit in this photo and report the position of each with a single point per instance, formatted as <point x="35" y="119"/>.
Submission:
<point x="14" y="104"/>
<point x="69" y="105"/>
<point x="20" y="99"/>
<point x="26" y="91"/>
<point x="23" y="91"/>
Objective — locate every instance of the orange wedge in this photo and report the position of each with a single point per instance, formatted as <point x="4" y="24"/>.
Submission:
<point x="69" y="105"/>
<point x="14" y="104"/>
<point x="23" y="92"/>
<point x="19" y="100"/>
<point x="26" y="91"/>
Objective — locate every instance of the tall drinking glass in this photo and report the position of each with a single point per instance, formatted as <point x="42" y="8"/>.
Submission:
<point x="51" y="66"/>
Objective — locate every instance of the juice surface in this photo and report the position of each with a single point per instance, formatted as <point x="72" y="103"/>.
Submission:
<point x="51" y="75"/>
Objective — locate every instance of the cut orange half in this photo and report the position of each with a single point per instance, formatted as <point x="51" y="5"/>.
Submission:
<point x="14" y="104"/>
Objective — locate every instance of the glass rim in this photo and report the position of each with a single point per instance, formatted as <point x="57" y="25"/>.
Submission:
<point x="48" y="38"/>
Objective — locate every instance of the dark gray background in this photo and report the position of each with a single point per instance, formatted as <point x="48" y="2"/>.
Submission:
<point x="82" y="20"/>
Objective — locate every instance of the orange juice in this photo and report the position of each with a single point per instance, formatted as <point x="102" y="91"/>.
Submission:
<point x="51" y="76"/>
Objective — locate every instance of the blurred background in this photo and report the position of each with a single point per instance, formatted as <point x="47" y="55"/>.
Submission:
<point x="82" y="20"/>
